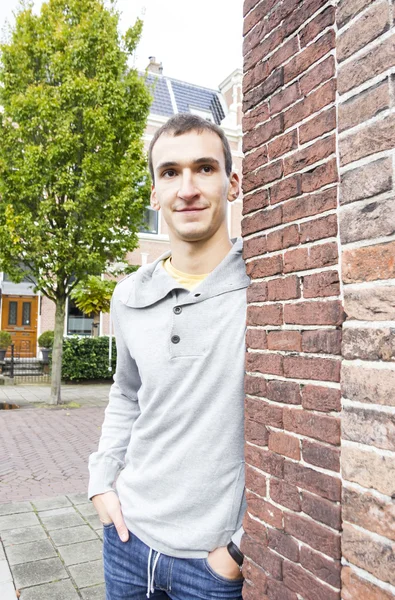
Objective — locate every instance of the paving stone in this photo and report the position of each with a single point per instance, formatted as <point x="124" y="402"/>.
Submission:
<point x="24" y="553"/>
<point x="94" y="521"/>
<point x="88" y="574"/>
<point x="72" y="535"/>
<point x="77" y="498"/>
<point x="7" y="591"/>
<point x="13" y="508"/>
<point x="5" y="573"/>
<point x="51" y="503"/>
<point x="22" y="536"/>
<point x="81" y="553"/>
<point x="61" y="590"/>
<point x="61" y="521"/>
<point x="98" y="592"/>
<point x="87" y="509"/>
<point x="67" y="510"/>
<point x="39" y="571"/>
<point x="24" y="520"/>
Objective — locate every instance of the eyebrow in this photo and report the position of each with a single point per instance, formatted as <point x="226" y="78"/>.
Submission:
<point x="206" y="160"/>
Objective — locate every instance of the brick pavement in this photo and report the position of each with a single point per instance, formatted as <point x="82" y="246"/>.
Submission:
<point x="50" y="536"/>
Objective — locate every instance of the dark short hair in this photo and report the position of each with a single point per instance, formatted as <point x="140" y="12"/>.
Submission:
<point x="184" y="123"/>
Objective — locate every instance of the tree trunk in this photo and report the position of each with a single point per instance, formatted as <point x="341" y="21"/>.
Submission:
<point x="57" y="351"/>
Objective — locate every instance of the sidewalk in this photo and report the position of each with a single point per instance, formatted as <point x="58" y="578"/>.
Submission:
<point x="51" y="544"/>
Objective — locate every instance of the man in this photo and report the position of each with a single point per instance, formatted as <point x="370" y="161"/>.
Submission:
<point x="173" y="428"/>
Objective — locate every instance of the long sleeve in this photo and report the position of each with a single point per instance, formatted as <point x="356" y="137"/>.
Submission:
<point x="120" y="415"/>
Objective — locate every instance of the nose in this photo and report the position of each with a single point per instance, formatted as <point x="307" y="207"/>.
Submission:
<point x="187" y="189"/>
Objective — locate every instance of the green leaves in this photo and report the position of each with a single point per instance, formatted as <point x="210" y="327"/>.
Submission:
<point x="93" y="295"/>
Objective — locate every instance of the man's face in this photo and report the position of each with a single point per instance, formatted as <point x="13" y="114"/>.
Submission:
<point x="191" y="186"/>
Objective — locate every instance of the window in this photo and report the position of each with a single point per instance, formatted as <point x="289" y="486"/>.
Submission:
<point x="12" y="313"/>
<point x="205" y="114"/>
<point x="77" y="322"/>
<point x="151" y="221"/>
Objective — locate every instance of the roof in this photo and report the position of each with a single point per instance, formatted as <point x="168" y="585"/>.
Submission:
<point x="186" y="97"/>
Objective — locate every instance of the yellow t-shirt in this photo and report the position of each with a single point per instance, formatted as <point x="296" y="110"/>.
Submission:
<point x="187" y="281"/>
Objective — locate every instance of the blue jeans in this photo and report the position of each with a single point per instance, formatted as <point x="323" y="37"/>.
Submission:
<point x="133" y="571"/>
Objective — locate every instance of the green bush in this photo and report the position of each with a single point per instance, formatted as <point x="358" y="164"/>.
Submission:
<point x="45" y="340"/>
<point x="87" y="358"/>
<point x="5" y="339"/>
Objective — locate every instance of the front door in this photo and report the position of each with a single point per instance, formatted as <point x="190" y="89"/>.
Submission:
<point x="19" y="317"/>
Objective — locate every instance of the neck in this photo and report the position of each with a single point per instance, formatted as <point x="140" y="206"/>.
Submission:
<point x="198" y="258"/>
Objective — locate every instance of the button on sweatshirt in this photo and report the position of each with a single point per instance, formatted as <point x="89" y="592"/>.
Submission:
<point x="172" y="441"/>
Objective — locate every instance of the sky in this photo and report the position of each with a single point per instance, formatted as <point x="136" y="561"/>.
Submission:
<point x="199" y="41"/>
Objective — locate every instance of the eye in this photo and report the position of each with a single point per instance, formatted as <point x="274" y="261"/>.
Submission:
<point x="207" y="169"/>
<point x="169" y="173"/>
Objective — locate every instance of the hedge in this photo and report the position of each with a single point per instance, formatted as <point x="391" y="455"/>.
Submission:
<point x="87" y="358"/>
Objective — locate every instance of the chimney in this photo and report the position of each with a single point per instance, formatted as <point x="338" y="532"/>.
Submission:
<point x="154" y="67"/>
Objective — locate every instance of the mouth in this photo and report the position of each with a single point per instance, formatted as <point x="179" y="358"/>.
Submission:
<point x="191" y="209"/>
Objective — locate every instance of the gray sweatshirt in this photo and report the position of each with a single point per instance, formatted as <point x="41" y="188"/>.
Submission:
<point x="173" y="434"/>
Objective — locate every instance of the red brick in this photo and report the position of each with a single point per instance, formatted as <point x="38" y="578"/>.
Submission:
<point x="255" y="529"/>
<point x="257" y="339"/>
<point x="301" y="367"/>
<point x="364" y="106"/>
<point x="321" y="456"/>
<point x="368" y="27"/>
<point x="317" y="126"/>
<point x="317" y="100"/>
<point x="269" y="314"/>
<point x="373" y="62"/>
<point x="284" y="288"/>
<point x="256" y="481"/>
<point x="265" y="461"/>
<point x="309" y="588"/>
<point x="283" y="544"/>
<point x="317" y="75"/>
<point x="318" y="537"/>
<point x="255" y="575"/>
<point x="287" y="392"/>
<point x="281" y="11"/>
<point x="261" y="220"/>
<point x="250" y="592"/>
<point x="321" y="284"/>
<point x="369" y="263"/>
<point x="254" y="246"/>
<point x="263" y="176"/>
<point x="285" y="189"/>
<point x="262" y="50"/>
<point x="310" y="55"/>
<point x="255" y="386"/>
<point x="267" y="363"/>
<point x="258" y="12"/>
<point x="263" y="557"/>
<point x="257" y="292"/>
<point x="288" y="49"/>
<point x="325" y="569"/>
<point x="329" y="312"/>
<point x="283" y="238"/>
<point x="285" y="494"/>
<point x="263" y="133"/>
<point x="319" y="427"/>
<point x="264" y="267"/>
<point x="287" y="341"/>
<point x="283" y="144"/>
<point x="320" y="176"/>
<point x="256" y="433"/>
<point x="377" y="137"/>
<point x="255" y="117"/>
<point x="255" y="201"/>
<point x="324" y="341"/>
<point x="321" y="398"/>
<point x="277" y="591"/>
<point x="308" y="479"/>
<point x="302" y="259"/>
<point x="284" y="444"/>
<point x="265" y="413"/>
<point x="308" y="206"/>
<point x="269" y="85"/>
<point x="284" y="98"/>
<point x="300" y="15"/>
<point x="265" y="511"/>
<point x="254" y="36"/>
<point x="355" y="587"/>
<point x="254" y="160"/>
<point x="310" y="155"/>
<point x="318" y="229"/>
<point x="325" y="19"/>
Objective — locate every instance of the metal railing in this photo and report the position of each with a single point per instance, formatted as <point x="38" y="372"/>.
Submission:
<point x="25" y="369"/>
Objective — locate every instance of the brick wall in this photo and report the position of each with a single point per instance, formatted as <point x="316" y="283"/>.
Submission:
<point x="366" y="55"/>
<point x="319" y="235"/>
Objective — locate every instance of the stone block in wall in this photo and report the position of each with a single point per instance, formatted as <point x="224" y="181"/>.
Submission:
<point x="370" y="263"/>
<point x="369" y="511"/>
<point x="355" y="586"/>
<point x="376" y="137"/>
<point x="369" y="343"/>
<point x="370" y="304"/>
<point x="364" y="106"/>
<point x="370" y="220"/>
<point x="348" y="9"/>
<point x="366" y="181"/>
<point x="370" y="384"/>
<point x="369" y="468"/>
<point x="373" y="427"/>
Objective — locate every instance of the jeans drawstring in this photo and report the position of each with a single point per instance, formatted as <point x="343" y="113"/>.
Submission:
<point x="150" y="576"/>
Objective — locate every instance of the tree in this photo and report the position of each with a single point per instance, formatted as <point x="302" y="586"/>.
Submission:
<point x="73" y="178"/>
<point x="93" y="296"/>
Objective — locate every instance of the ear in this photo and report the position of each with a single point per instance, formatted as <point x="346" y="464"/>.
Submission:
<point x="154" y="200"/>
<point x="234" y="187"/>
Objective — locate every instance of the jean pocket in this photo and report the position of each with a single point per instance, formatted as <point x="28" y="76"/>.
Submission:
<point x="108" y="525"/>
<point x="239" y="581"/>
